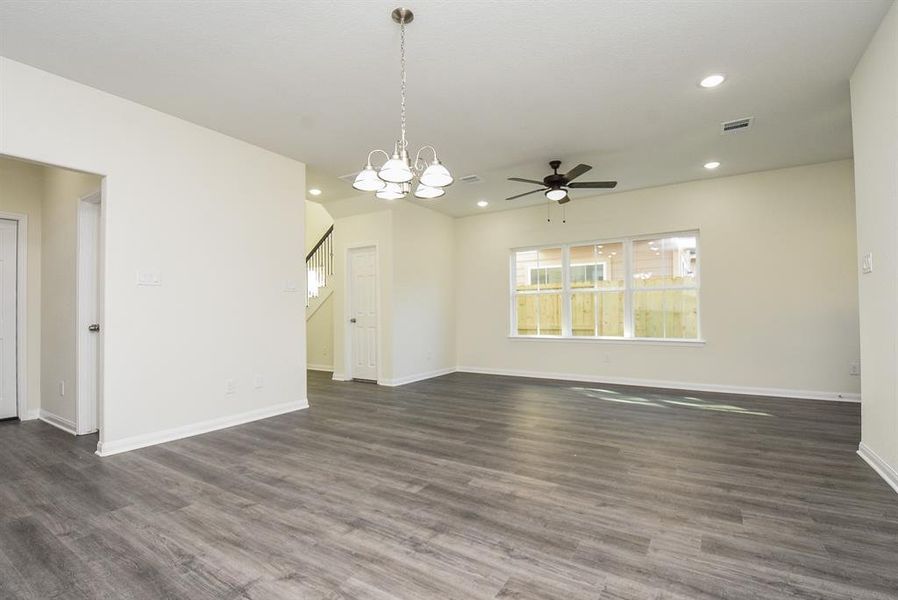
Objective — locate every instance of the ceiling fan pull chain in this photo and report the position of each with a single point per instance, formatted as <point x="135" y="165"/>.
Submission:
<point x="548" y="213"/>
<point x="563" y="213"/>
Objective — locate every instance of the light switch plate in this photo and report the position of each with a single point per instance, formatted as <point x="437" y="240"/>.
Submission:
<point x="291" y="285"/>
<point x="867" y="263"/>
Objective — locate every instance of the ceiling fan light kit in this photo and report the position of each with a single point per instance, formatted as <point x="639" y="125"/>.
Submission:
<point x="395" y="178"/>
<point x="557" y="194"/>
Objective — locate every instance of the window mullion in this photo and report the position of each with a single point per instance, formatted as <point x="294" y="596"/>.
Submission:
<point x="629" y="330"/>
<point x="513" y="297"/>
<point x="566" y="327"/>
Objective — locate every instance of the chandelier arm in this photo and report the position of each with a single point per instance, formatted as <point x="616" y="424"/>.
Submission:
<point x="432" y="149"/>
<point x="384" y="152"/>
<point x="419" y="163"/>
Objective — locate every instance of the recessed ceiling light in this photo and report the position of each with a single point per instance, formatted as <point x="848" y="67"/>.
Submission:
<point x="712" y="165"/>
<point x="712" y="81"/>
<point x="315" y="192"/>
<point x="483" y="203"/>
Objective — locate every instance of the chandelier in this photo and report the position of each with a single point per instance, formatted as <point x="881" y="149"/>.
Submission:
<point x="396" y="177"/>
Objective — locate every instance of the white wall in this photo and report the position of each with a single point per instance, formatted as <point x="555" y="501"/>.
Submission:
<point x="423" y="293"/>
<point x="874" y="112"/>
<point x="21" y="191"/>
<point x="219" y="219"/>
<point x="320" y="336"/>
<point x="62" y="191"/>
<point x="318" y="220"/>
<point x="778" y="297"/>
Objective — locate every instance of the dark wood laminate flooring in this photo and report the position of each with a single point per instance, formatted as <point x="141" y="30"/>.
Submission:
<point x="465" y="486"/>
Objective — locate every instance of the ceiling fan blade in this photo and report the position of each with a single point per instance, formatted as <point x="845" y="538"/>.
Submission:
<point x="593" y="184"/>
<point x="564" y="200"/>
<point x="576" y="172"/>
<point x="525" y="180"/>
<point x="527" y="194"/>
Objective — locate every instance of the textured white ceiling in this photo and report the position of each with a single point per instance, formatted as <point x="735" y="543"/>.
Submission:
<point x="500" y="88"/>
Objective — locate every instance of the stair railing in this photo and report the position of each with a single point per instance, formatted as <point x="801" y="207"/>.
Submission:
<point x="320" y="265"/>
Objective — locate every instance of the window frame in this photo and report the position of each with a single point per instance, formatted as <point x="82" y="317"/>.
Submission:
<point x="628" y="290"/>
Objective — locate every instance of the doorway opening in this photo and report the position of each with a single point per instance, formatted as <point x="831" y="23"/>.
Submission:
<point x="51" y="232"/>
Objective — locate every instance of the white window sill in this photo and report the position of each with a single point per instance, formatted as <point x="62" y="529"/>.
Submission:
<point x="608" y="340"/>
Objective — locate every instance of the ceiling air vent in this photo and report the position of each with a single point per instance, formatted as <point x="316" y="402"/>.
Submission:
<point x="736" y="125"/>
<point x="470" y="179"/>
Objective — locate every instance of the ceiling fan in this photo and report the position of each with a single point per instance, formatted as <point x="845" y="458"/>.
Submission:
<point x="556" y="185"/>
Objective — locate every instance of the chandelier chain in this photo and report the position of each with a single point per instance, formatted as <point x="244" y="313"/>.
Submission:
<point x="402" y="81"/>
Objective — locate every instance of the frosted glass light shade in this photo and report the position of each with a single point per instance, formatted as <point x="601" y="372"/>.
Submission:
<point x="556" y="195"/>
<point x="391" y="191"/>
<point x="368" y="181"/>
<point x="395" y="170"/>
<point x="425" y="192"/>
<point x="436" y="175"/>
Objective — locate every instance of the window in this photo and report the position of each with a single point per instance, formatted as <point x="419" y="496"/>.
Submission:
<point x="641" y="287"/>
<point x="538" y="291"/>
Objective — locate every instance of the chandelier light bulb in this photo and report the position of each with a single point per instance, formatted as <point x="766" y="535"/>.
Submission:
<point x="426" y="192"/>
<point x="436" y="175"/>
<point x="556" y="195"/>
<point x="391" y="191"/>
<point x="368" y="181"/>
<point x="396" y="170"/>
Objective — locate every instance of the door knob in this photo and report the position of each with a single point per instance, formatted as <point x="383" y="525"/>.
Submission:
<point x="94" y="327"/>
<point x="352" y="320"/>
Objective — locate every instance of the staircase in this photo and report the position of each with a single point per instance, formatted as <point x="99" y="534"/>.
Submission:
<point x="320" y="271"/>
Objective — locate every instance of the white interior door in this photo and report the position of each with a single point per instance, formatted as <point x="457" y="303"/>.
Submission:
<point x="87" y="399"/>
<point x="363" y="312"/>
<point x="8" y="316"/>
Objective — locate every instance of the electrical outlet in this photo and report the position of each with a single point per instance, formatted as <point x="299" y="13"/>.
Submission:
<point x="854" y="368"/>
<point x="259" y="382"/>
<point x="867" y="263"/>
<point x="62" y="388"/>
<point x="230" y="386"/>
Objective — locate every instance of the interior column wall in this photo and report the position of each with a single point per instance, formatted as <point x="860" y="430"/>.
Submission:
<point x="874" y="112"/>
<point x="369" y="229"/>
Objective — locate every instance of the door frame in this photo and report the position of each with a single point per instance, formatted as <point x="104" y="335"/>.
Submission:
<point x="87" y="415"/>
<point x="347" y="331"/>
<point x="21" y="220"/>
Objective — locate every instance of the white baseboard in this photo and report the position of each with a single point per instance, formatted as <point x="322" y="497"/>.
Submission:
<point x="169" y="435"/>
<point x="675" y="385"/>
<point x="327" y="368"/>
<point x="66" y="425"/>
<point x="31" y="415"/>
<point x="417" y="377"/>
<point x="885" y="470"/>
<point x="339" y="377"/>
